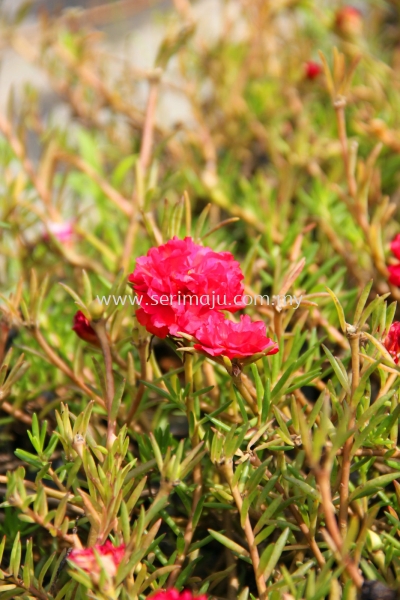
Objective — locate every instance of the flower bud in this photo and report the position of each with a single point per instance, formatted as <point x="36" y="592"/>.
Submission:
<point x="348" y="22"/>
<point x="312" y="70"/>
<point x="84" y="330"/>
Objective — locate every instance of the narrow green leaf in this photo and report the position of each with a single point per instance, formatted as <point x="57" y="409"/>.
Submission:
<point x="339" y="309"/>
<point x="361" y="302"/>
<point x="268" y="559"/>
<point x="373" y="486"/>
<point x="338" y="371"/>
<point x="228" y="543"/>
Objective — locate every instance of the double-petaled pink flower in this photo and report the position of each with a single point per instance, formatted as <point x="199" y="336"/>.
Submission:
<point x="108" y="558"/>
<point x="173" y="594"/>
<point x="183" y="287"/>
<point x="221" y="337"/>
<point x="394" y="270"/>
<point x="181" y="279"/>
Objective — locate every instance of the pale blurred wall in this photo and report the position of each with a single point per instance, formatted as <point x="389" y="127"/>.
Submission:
<point x="135" y="38"/>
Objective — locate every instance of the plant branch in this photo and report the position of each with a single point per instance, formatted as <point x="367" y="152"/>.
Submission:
<point x="100" y="329"/>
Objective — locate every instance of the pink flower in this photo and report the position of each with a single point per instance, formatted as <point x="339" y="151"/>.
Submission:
<point x="395" y="246"/>
<point x="109" y="558"/>
<point x="62" y="231"/>
<point x="348" y="21"/>
<point x="84" y="330"/>
<point x="394" y="270"/>
<point x="312" y="69"/>
<point x="219" y="336"/>
<point x="392" y="341"/>
<point x="182" y="276"/>
<point x="173" y="594"/>
<point x="394" y="274"/>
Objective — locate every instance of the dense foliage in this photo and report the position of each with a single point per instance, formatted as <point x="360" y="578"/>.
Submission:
<point x="177" y="454"/>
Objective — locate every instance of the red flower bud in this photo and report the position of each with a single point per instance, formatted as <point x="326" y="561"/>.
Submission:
<point x="312" y="70"/>
<point x="84" y="330"/>
<point x="348" y="21"/>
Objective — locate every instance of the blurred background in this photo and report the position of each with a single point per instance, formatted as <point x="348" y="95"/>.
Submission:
<point x="129" y="30"/>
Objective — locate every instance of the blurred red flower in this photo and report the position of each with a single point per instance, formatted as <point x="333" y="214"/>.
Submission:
<point x="63" y="231"/>
<point x="394" y="270"/>
<point x="348" y="21"/>
<point x="394" y="274"/>
<point x="221" y="337"/>
<point x="312" y="69"/>
<point x="395" y="246"/>
<point x="109" y="558"/>
<point x="173" y="594"/>
<point x="392" y="341"/>
<point x="84" y="330"/>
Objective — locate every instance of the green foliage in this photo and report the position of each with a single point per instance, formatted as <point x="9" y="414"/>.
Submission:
<point x="271" y="478"/>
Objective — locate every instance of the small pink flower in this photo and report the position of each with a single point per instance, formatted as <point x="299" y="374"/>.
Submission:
<point x="312" y="70"/>
<point x="109" y="558"/>
<point x="395" y="246"/>
<point x="349" y="21"/>
<point x="84" y="330"/>
<point x="63" y="232"/>
<point x="221" y="337"/>
<point x="181" y="276"/>
<point x="392" y="341"/>
<point x="173" y="594"/>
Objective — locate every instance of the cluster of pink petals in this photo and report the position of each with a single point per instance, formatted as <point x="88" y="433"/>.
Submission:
<point x="108" y="555"/>
<point x="182" y="269"/>
<point x="198" y="285"/>
<point x="63" y="231"/>
<point x="394" y="270"/>
<point x="392" y="341"/>
<point x="221" y="337"/>
<point x="173" y="594"/>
